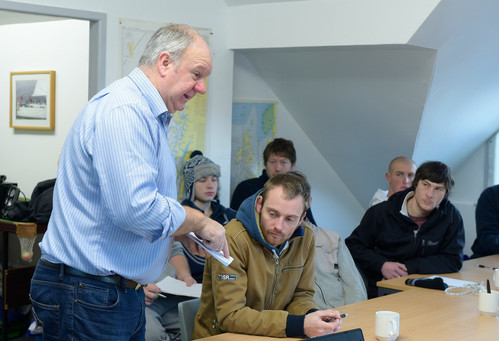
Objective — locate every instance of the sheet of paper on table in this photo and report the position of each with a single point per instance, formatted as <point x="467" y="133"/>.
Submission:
<point x="173" y="286"/>
<point x="452" y="282"/>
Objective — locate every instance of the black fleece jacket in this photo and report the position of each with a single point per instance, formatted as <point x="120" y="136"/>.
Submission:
<point x="386" y="235"/>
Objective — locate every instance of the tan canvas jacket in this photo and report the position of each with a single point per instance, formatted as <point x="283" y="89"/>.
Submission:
<point x="257" y="291"/>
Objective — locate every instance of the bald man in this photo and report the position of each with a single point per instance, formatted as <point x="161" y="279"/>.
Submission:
<point x="399" y="176"/>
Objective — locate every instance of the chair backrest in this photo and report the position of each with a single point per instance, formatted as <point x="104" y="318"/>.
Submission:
<point x="187" y="311"/>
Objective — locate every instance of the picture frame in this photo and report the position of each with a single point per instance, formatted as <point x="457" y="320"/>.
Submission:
<point x="32" y="100"/>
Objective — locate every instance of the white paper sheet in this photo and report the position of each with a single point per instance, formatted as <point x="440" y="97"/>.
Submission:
<point x="172" y="286"/>
<point x="452" y="282"/>
<point x="218" y="255"/>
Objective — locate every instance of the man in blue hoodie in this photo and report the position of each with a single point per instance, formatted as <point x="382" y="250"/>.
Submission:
<point x="268" y="288"/>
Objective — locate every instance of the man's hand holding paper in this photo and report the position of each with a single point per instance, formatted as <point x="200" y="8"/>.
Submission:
<point x="208" y="231"/>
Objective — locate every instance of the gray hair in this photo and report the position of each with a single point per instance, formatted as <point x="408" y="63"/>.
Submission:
<point x="174" y="39"/>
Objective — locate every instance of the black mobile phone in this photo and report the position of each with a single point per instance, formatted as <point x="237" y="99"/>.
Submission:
<point x="347" y="335"/>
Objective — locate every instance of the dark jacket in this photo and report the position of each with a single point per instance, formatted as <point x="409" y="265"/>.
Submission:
<point x="487" y="223"/>
<point x="220" y="214"/>
<point x="247" y="188"/>
<point x="385" y="234"/>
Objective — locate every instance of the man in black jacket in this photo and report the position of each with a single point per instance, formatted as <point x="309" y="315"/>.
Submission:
<point x="417" y="230"/>
<point x="487" y="223"/>
<point x="279" y="156"/>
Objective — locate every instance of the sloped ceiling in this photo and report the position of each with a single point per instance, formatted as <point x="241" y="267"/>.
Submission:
<point x="361" y="103"/>
<point x="434" y="98"/>
<point x="462" y="108"/>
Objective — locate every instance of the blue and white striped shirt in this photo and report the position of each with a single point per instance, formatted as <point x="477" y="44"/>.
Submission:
<point x="115" y="196"/>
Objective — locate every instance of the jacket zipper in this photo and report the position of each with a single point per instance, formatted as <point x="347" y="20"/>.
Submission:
<point x="276" y="260"/>
<point x="321" y="292"/>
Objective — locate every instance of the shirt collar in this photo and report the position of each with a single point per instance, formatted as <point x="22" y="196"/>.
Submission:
<point x="403" y="209"/>
<point x="156" y="103"/>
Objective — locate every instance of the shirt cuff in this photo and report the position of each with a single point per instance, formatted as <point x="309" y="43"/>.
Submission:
<point x="294" y="326"/>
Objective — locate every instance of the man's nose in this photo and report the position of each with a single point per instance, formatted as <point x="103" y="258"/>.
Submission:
<point x="279" y="224"/>
<point x="200" y="86"/>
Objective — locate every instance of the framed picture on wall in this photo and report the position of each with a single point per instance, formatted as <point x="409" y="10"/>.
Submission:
<point x="32" y="100"/>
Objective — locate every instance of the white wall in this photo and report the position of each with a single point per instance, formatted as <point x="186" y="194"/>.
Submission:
<point x="470" y="180"/>
<point x="30" y="156"/>
<point x="333" y="205"/>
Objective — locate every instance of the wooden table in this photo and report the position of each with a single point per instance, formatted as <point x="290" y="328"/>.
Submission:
<point x="469" y="272"/>
<point x="432" y="316"/>
<point x="425" y="314"/>
<point x="16" y="282"/>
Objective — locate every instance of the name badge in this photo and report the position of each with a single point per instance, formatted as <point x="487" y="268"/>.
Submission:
<point x="224" y="277"/>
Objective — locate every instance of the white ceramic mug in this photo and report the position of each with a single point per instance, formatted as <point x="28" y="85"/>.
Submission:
<point x="387" y="325"/>
<point x="496" y="278"/>
<point x="488" y="303"/>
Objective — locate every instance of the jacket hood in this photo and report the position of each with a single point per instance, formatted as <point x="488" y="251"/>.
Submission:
<point x="250" y="218"/>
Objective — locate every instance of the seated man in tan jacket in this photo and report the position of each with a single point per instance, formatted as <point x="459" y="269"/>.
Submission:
<point x="268" y="288"/>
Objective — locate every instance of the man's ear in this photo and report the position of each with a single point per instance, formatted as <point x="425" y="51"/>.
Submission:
<point x="302" y="217"/>
<point x="259" y="204"/>
<point x="164" y="63"/>
<point x="388" y="177"/>
<point x="293" y="166"/>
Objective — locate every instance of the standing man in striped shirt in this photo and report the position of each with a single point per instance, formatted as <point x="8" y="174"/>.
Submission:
<point x="115" y="212"/>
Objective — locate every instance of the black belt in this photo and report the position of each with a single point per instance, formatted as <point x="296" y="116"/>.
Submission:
<point x="111" y="279"/>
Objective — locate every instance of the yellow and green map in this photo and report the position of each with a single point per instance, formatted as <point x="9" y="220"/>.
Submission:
<point x="186" y="133"/>
<point x="253" y="127"/>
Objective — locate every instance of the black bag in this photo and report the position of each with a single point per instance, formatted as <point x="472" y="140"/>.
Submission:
<point x="18" y="211"/>
<point x="40" y="205"/>
<point x="10" y="206"/>
<point x="37" y="210"/>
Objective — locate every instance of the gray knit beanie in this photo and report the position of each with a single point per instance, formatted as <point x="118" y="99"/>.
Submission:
<point x="197" y="167"/>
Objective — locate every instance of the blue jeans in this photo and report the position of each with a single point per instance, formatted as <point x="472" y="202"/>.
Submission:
<point x="77" y="308"/>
